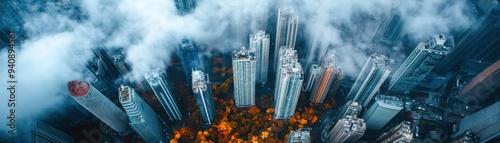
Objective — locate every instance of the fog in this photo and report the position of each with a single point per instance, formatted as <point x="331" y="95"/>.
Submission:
<point x="60" y="35"/>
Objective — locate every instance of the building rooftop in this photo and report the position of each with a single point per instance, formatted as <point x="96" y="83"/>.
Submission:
<point x="300" y="136"/>
<point x="390" y="100"/>
<point x="243" y="54"/>
<point x="78" y="88"/>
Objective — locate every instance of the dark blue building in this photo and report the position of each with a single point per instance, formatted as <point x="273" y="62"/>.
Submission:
<point x="189" y="58"/>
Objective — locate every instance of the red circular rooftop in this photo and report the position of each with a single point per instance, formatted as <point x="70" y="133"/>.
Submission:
<point x="78" y="88"/>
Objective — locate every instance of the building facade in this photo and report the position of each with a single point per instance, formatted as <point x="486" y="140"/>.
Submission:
<point x="96" y="103"/>
<point x="286" y="30"/>
<point x="419" y="64"/>
<point x="399" y="134"/>
<point x="287" y="56"/>
<point x="203" y="94"/>
<point x="389" y="31"/>
<point x="189" y="58"/>
<point x="478" y="42"/>
<point x="329" y="78"/>
<point x="484" y="124"/>
<point x="259" y="42"/>
<point x="311" y="78"/>
<point x="482" y="86"/>
<point x="142" y="118"/>
<point x="288" y="84"/>
<point x="349" y="109"/>
<point x="382" y="111"/>
<point x="347" y="130"/>
<point x="162" y="91"/>
<point x="372" y="76"/>
<point x="40" y="133"/>
<point x="244" y="66"/>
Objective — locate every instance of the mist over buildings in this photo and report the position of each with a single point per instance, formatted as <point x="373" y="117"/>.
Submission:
<point x="60" y="35"/>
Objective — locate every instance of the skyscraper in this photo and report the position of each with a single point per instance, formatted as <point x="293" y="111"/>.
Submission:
<point x="399" y="134"/>
<point x="419" y="64"/>
<point x="189" y="58"/>
<point x="96" y="103"/>
<point x="46" y="133"/>
<point x="484" y="123"/>
<point x="302" y="135"/>
<point x="259" y="42"/>
<point x="349" y="109"/>
<point x="347" y="130"/>
<point x="244" y="77"/>
<point x="375" y="71"/>
<point x="480" y="41"/>
<point x="286" y="55"/>
<point x="482" y="86"/>
<point x="286" y="30"/>
<point x="40" y="133"/>
<point x="203" y="94"/>
<point x="311" y="78"/>
<point x="288" y="84"/>
<point x="329" y="75"/>
<point x="121" y="64"/>
<point x="162" y="91"/>
<point x="185" y="6"/>
<point x="389" y="30"/>
<point x="141" y="116"/>
<point x="102" y="72"/>
<point x="382" y="111"/>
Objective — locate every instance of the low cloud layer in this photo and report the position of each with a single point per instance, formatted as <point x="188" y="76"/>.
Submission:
<point x="61" y="33"/>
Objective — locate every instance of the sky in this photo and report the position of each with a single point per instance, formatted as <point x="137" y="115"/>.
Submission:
<point x="61" y="33"/>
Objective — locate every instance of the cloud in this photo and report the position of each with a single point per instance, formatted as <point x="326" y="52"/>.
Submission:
<point x="60" y="34"/>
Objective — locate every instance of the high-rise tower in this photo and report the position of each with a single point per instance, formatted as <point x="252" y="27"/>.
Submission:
<point x="244" y="77"/>
<point x="480" y="42"/>
<point x="399" y="134"/>
<point x="484" y="124"/>
<point x="288" y="83"/>
<point x="382" y="111"/>
<point x="203" y="94"/>
<point x="389" y="30"/>
<point x="311" y="78"/>
<point x="286" y="55"/>
<point x="96" y="103"/>
<point x="286" y="30"/>
<point x="481" y="87"/>
<point x="40" y="133"/>
<point x="329" y="75"/>
<point x="142" y="118"/>
<point x="189" y="58"/>
<point x="349" y="109"/>
<point x="375" y="71"/>
<point x="419" y="64"/>
<point x="347" y="130"/>
<point x="162" y="91"/>
<point x="259" y="42"/>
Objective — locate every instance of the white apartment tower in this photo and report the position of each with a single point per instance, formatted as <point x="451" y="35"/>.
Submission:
<point x="286" y="30"/>
<point x="372" y="76"/>
<point x="259" y="42"/>
<point x="142" y="118"/>
<point x="244" y="66"/>
<point x="162" y="91"/>
<point x="347" y="130"/>
<point x="288" y="84"/>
